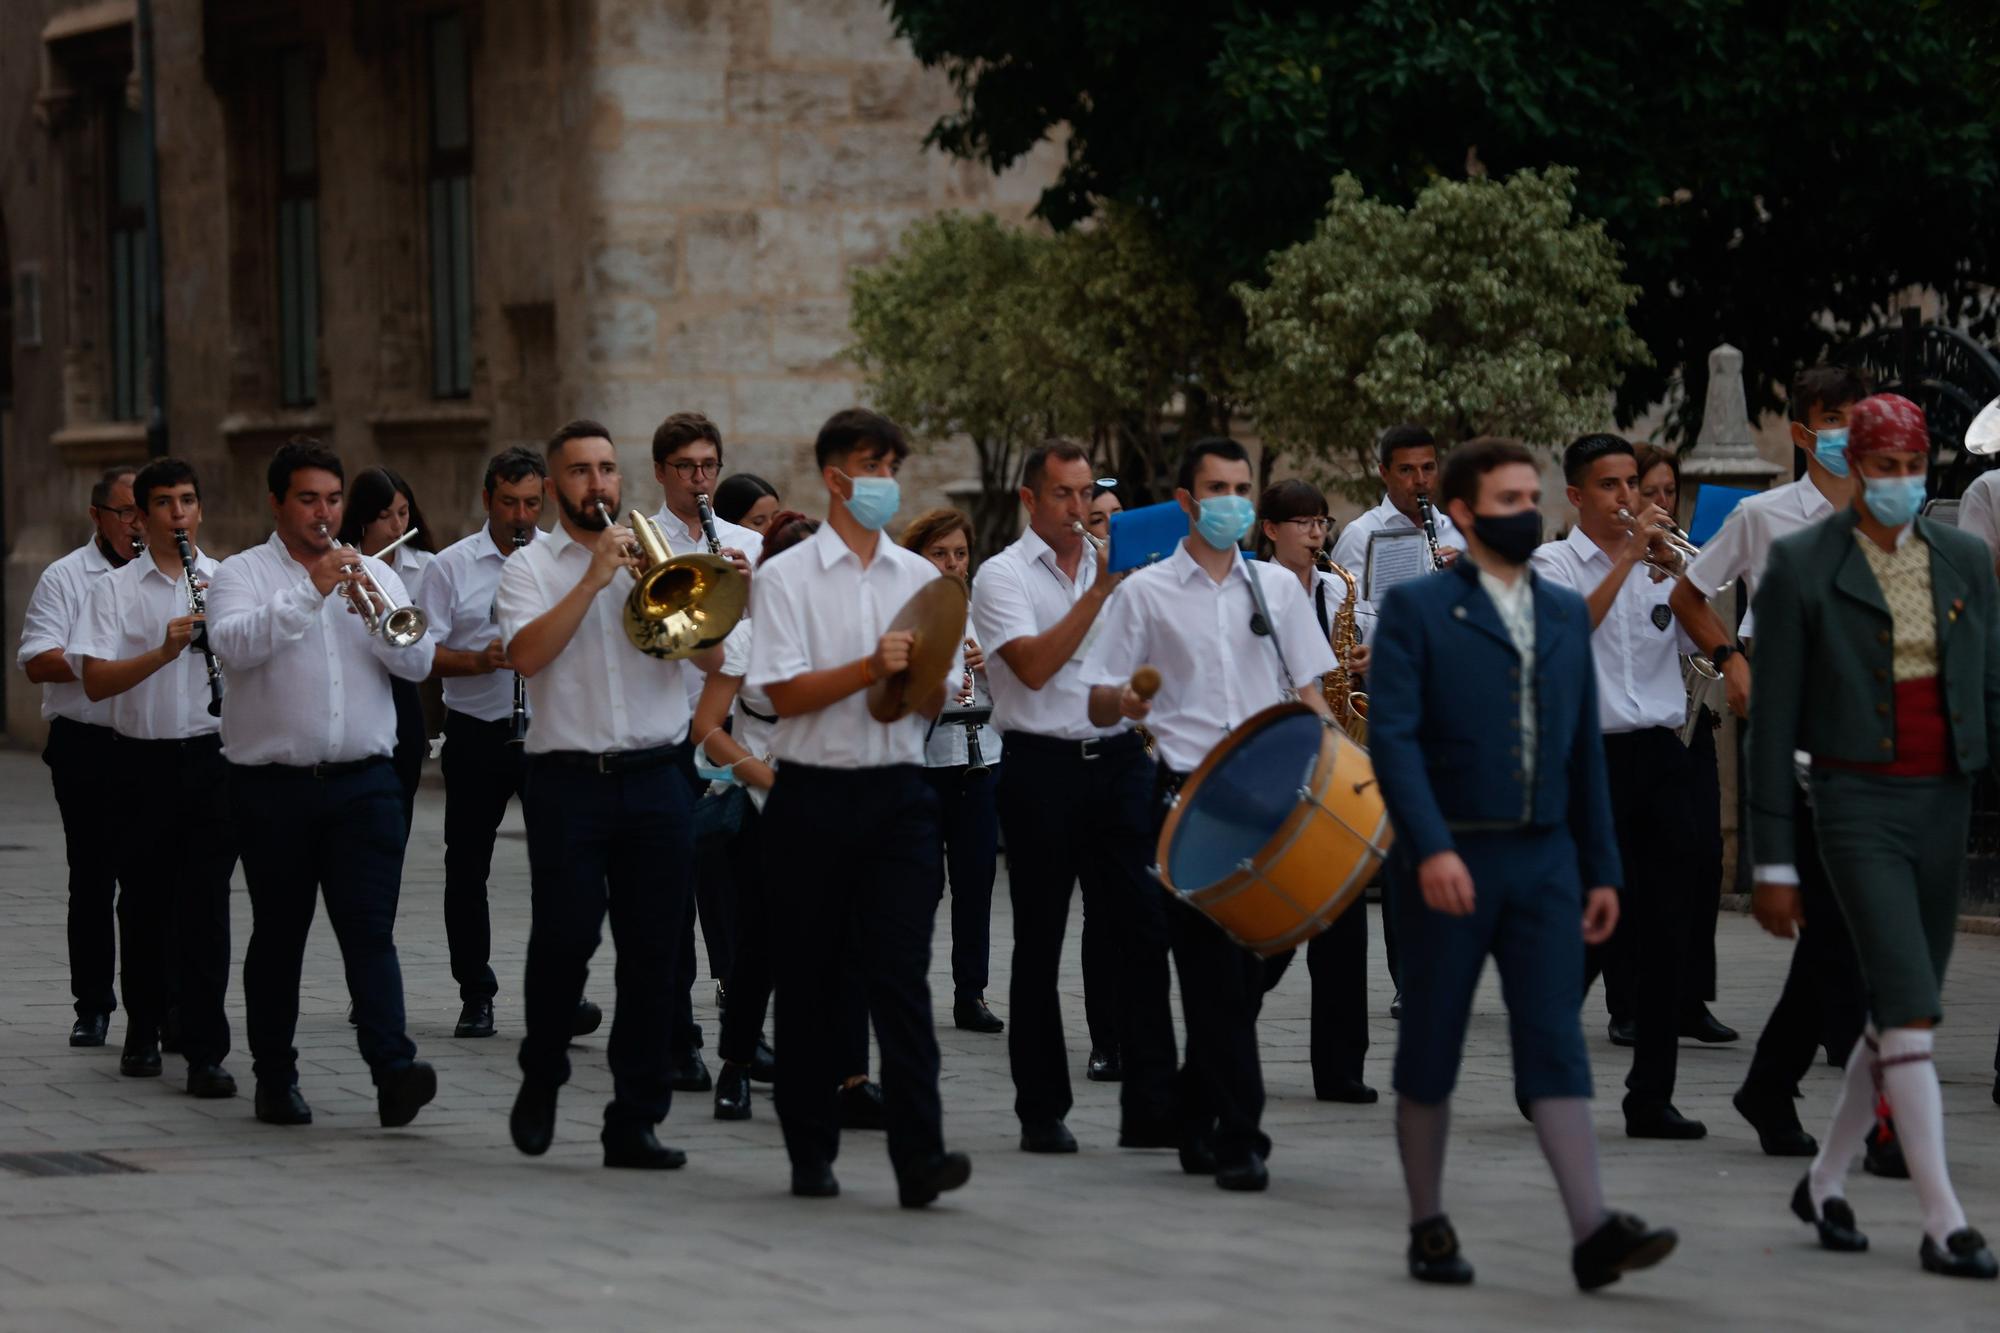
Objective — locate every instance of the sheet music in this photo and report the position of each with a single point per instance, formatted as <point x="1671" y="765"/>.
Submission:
<point x="1395" y="555"/>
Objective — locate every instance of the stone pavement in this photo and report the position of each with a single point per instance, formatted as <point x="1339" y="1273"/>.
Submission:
<point x="442" y="1225"/>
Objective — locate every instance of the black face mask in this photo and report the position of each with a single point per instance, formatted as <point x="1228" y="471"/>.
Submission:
<point x="1512" y="537"/>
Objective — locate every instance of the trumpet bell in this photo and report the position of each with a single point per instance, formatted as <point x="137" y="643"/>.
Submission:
<point x="404" y="626"/>
<point x="684" y="605"/>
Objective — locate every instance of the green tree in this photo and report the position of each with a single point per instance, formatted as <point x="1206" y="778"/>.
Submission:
<point x="1774" y="174"/>
<point x="1483" y="308"/>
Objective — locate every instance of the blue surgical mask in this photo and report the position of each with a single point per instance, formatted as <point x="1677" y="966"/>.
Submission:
<point x="1894" y="500"/>
<point x="874" y="502"/>
<point x="1224" y="520"/>
<point x="1832" y="451"/>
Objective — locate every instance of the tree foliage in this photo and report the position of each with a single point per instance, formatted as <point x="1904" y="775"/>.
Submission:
<point x="1775" y="174"/>
<point x="1483" y="308"/>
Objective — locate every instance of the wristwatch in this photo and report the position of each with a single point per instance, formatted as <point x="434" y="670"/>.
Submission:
<point x="1720" y="655"/>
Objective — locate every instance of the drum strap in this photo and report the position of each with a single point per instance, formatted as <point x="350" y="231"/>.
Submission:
<point x="1260" y="623"/>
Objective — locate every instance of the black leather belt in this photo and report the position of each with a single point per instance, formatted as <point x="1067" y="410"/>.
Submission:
<point x="341" y="769"/>
<point x="209" y="741"/>
<point x="1089" y="748"/>
<point x="613" y="761"/>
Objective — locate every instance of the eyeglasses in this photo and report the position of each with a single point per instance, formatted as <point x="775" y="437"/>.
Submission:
<point x="1311" y="525"/>
<point x="125" y="515"/>
<point x="690" y="470"/>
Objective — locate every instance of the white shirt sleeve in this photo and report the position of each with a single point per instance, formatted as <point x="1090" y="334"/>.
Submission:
<point x="736" y="649"/>
<point x="412" y="662"/>
<point x="49" y="618"/>
<point x="778" y="650"/>
<point x="1977" y="512"/>
<point x="1308" y="653"/>
<point x="518" y="600"/>
<point x="1120" y="648"/>
<point x="1549" y="564"/>
<point x="245" y="630"/>
<point x="1350" y="548"/>
<point x="97" y="630"/>
<point x="1001" y="611"/>
<point x="1775" y="874"/>
<point x="434" y="598"/>
<point x="1725" y="557"/>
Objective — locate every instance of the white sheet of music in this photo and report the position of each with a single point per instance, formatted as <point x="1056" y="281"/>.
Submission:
<point x="1395" y="555"/>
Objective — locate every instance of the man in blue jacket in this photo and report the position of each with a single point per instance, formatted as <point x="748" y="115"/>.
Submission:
<point x="1483" y="724"/>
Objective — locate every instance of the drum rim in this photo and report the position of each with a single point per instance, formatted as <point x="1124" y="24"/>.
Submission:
<point x="1286" y="832"/>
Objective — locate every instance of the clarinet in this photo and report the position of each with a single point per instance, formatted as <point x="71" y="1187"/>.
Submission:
<point x="198" y="606"/>
<point x="520" y="736"/>
<point x="708" y="523"/>
<point x="1430" y="528"/>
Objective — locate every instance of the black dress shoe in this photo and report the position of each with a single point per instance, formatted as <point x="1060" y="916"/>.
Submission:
<point x="1434" y="1255"/>
<point x="1247" y="1176"/>
<point x="1884" y="1155"/>
<point x="533" y="1119"/>
<point x="210" y="1081"/>
<point x="815" y="1182"/>
<point x="588" y="1018"/>
<point x="1350" y="1090"/>
<point x="89" y="1030"/>
<point x="636" y="1148"/>
<point x="1622" y="1245"/>
<point x="1137" y="1132"/>
<point x="930" y="1176"/>
<point x="282" y="1106"/>
<point x="1964" y="1254"/>
<point x="691" y="1073"/>
<point x="763" y="1062"/>
<point x="170" y="1032"/>
<point x="974" y="1016"/>
<point x="401" y="1093"/>
<point x="140" y="1058"/>
<point x="732" y="1093"/>
<point x="861" y="1106"/>
<point x="1623" y="1032"/>
<point x="475" y="1019"/>
<point x="1106" y="1067"/>
<point x="1396" y="1012"/>
<point x="1701" y="1025"/>
<point x="1661" y="1121"/>
<point x="1834" y="1221"/>
<point x="1776" y="1121"/>
<point x="1046" y="1136"/>
<point x="1197" y="1157"/>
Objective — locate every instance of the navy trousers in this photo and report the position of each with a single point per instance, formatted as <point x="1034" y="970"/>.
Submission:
<point x="482" y="772"/>
<point x="971" y="832"/>
<point x="89" y="792"/>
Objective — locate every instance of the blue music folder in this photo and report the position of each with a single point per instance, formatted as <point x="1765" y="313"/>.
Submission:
<point x="1141" y="536"/>
<point x="1711" y="505"/>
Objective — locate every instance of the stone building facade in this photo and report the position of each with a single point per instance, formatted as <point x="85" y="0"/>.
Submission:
<point x="428" y="229"/>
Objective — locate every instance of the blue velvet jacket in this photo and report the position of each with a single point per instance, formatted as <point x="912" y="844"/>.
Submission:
<point x="1444" y="725"/>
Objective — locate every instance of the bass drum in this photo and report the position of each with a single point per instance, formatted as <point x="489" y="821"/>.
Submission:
<point x="1277" y="832"/>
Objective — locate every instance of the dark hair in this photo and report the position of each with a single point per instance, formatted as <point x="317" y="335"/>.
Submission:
<point x="100" y="490"/>
<point x="1409" y="435"/>
<point x="1650" y="456"/>
<point x="935" y="524"/>
<point x="851" y="428"/>
<point x="788" y="528"/>
<point x="513" y="465"/>
<point x="1585" y="450"/>
<point x="1215" y="446"/>
<point x="160" y="474"/>
<point x="373" y="491"/>
<point x="682" y="429"/>
<point x="1037" y="462"/>
<point x="1827" y="386"/>
<point x="1283" y="500"/>
<point x="738" y="493"/>
<point x="581" y="429"/>
<point x="296" y="455"/>
<point x="1471" y="461"/>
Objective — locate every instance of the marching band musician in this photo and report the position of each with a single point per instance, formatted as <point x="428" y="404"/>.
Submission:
<point x="135" y="646"/>
<point x="1292" y="524"/>
<point x="78" y="752"/>
<point x="380" y="508"/>
<point x="1407" y="461"/>
<point x="1483" y="729"/>
<point x="851" y="791"/>
<point x="1073" y="802"/>
<point x="482" y="758"/>
<point x="307" y="734"/>
<point x="1196" y="618"/>
<point x="1641" y="704"/>
<point x="607" y="804"/>
<point x="969" y="824"/>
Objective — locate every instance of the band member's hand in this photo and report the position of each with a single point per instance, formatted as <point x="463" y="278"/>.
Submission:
<point x="493" y="657"/>
<point x="1736" y="682"/>
<point x="975" y="657"/>
<point x="613" y="550"/>
<point x="738" y="559"/>
<point x="180" y="633"/>
<point x="330" y="569"/>
<point x="1446" y="883"/>
<point x="1448" y="556"/>
<point x="1358" y="660"/>
<point x="892" y="654"/>
<point x="1600" y="914"/>
<point x="1131" y="704"/>
<point x="1777" y="909"/>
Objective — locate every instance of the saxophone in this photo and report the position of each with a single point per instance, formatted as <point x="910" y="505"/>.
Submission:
<point x="1350" y="708"/>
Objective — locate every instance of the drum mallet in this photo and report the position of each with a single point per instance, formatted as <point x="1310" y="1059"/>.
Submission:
<point x="1146" y="682"/>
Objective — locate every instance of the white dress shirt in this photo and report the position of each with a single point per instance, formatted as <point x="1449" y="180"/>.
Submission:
<point x="1214" y="671"/>
<point x="686" y="539"/>
<point x="308" y="684"/>
<point x="1638" y="644"/>
<point x="1019" y="593"/>
<point x="600" y="694"/>
<point x="1738" y="550"/>
<point x="127" y="617"/>
<point x="946" y="746"/>
<point x="459" y="596"/>
<point x="54" y="609"/>
<point x="1979" y="510"/>
<point x="816" y="607"/>
<point x="1330" y="591"/>
<point x="1350" y="549"/>
<point x="411" y="566"/>
<point x="751" y="718"/>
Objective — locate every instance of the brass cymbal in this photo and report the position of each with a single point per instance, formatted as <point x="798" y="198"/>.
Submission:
<point x="937" y="613"/>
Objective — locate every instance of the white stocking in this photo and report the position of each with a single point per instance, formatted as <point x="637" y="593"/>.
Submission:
<point x="1910" y="1080"/>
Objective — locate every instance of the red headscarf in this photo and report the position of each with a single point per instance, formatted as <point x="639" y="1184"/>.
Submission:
<point x="1887" y="423"/>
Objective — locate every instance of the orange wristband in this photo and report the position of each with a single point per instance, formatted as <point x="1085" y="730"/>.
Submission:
<point x="867" y="672"/>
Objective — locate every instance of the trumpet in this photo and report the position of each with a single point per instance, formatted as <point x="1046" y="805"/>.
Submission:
<point x="680" y="604"/>
<point x="400" y="626"/>
<point x="1676" y="540"/>
<point x="1096" y="542"/>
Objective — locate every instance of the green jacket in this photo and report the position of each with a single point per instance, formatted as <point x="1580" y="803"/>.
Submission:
<point x="1821" y="679"/>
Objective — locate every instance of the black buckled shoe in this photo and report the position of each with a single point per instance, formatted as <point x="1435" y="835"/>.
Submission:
<point x="1197" y="1157"/>
<point x="1434" y="1254"/>
<point x="974" y="1016"/>
<point x="1106" y="1067"/>
<point x="861" y="1106"/>
<point x="1049" y="1136"/>
<point x="815" y="1182"/>
<point x="1700" y="1025"/>
<point x="1623" y="1032"/>
<point x="763" y="1062"/>
<point x="1624" y="1244"/>
<point x="691" y="1073"/>
<point x="1661" y="1120"/>
<point x="1248" y="1176"/>
<point x="930" y="1176"/>
<point x="588" y="1018"/>
<point x="637" y="1148"/>
<point x="1964" y="1254"/>
<point x="90" y="1030"/>
<point x="212" y="1082"/>
<point x="475" y="1019"/>
<point x="732" y="1092"/>
<point x="1834" y="1221"/>
<point x="401" y="1093"/>
<point x="533" y="1119"/>
<point x="1776" y="1121"/>
<point x="141" y="1056"/>
<point x="282" y="1105"/>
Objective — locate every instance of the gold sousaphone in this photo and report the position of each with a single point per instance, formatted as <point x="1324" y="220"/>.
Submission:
<point x="681" y="604"/>
<point x="936" y="613"/>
